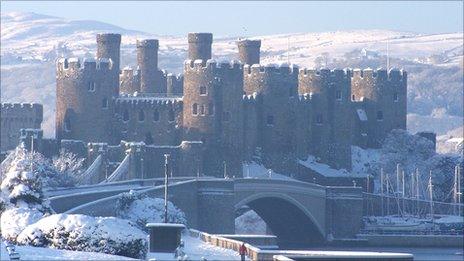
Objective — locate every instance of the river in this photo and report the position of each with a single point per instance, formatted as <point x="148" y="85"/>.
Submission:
<point x="427" y="253"/>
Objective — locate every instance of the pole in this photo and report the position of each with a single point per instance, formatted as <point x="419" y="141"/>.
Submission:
<point x="166" y="171"/>
<point x="398" y="186"/>
<point x="225" y="169"/>
<point x="431" y="195"/>
<point x="388" y="55"/>
<point x="388" y="198"/>
<point x="141" y="167"/>
<point x="381" y="188"/>
<point x="455" y="188"/>
<point x="402" y="190"/>
<point x="32" y="151"/>
<point x="459" y="191"/>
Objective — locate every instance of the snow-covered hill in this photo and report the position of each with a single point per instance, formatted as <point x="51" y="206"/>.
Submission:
<point x="31" y="42"/>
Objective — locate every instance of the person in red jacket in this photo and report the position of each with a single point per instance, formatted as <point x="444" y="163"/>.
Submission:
<point x="242" y="251"/>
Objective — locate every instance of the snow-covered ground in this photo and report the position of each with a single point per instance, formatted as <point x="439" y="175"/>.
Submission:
<point x="196" y="249"/>
<point x="258" y="171"/>
<point x="42" y="253"/>
<point x="327" y="171"/>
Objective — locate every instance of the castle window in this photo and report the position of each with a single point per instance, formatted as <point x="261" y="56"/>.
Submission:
<point x="141" y="115"/>
<point x="290" y="92"/>
<point x="338" y="95"/>
<point x="125" y="116"/>
<point x="91" y="87"/>
<point x="210" y="109"/>
<point x="195" y="109"/>
<point x="67" y="124"/>
<point x="105" y="103"/>
<point x="395" y="97"/>
<point x="202" y="90"/>
<point x="319" y="119"/>
<point x="353" y="98"/>
<point x="270" y="120"/>
<point x="226" y="116"/>
<point x="156" y="115"/>
<point x="380" y="115"/>
<point x="202" y="109"/>
<point x="171" y="115"/>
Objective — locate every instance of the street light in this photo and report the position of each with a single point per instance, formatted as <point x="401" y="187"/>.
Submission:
<point x="166" y="171"/>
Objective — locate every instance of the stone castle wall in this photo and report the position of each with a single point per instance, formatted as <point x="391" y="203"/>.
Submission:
<point x="17" y="116"/>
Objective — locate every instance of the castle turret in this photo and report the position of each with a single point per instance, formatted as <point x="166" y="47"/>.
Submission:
<point x="147" y="61"/>
<point x="276" y="87"/>
<point x="248" y="51"/>
<point x="108" y="46"/>
<point x="205" y="112"/>
<point x="330" y="107"/>
<point x="199" y="46"/>
<point x="381" y="97"/>
<point x="84" y="93"/>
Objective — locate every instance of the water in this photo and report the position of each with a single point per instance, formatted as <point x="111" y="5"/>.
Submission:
<point x="426" y="253"/>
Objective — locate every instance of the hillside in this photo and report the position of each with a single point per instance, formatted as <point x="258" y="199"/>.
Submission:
<point x="31" y="43"/>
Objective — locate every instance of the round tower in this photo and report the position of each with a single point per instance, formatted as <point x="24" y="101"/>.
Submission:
<point x="108" y="46"/>
<point x="84" y="92"/>
<point x="382" y="95"/>
<point x="199" y="46"/>
<point x="277" y="90"/>
<point x="147" y="61"/>
<point x="330" y="127"/>
<point x="248" y="51"/>
<point x="212" y="91"/>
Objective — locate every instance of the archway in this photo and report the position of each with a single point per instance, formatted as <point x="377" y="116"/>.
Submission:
<point x="293" y="225"/>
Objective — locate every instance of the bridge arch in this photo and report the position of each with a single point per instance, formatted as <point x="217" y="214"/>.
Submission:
<point x="292" y="223"/>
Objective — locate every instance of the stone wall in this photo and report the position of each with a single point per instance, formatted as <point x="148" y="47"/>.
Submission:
<point x="17" y="116"/>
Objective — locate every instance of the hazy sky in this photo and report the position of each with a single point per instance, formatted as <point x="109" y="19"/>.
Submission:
<point x="257" y="18"/>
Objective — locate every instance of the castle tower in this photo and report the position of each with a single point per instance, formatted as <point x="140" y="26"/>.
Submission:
<point x="248" y="51"/>
<point x="199" y="46"/>
<point x="147" y="61"/>
<point x="84" y="93"/>
<point x="211" y="113"/>
<point x="277" y="91"/>
<point x="108" y="46"/>
<point x="330" y="107"/>
<point x="382" y="97"/>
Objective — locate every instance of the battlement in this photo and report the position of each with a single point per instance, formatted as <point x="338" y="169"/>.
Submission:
<point x="88" y="64"/>
<point x="147" y="102"/>
<point x="212" y="65"/>
<point x="11" y="107"/>
<point x="392" y="75"/>
<point x="108" y="37"/>
<point x="249" y="43"/>
<point x="174" y="77"/>
<point x="325" y="73"/>
<point x="251" y="97"/>
<point x="148" y="43"/>
<point x="305" y="97"/>
<point x="128" y="72"/>
<point x="257" y="69"/>
<point x="200" y="37"/>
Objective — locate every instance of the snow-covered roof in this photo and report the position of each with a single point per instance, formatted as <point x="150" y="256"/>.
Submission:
<point x="165" y="225"/>
<point x="326" y="171"/>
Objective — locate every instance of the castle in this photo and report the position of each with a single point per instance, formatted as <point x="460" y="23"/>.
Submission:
<point x="217" y="115"/>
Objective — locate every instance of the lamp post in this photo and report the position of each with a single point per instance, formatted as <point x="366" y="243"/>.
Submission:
<point x="166" y="177"/>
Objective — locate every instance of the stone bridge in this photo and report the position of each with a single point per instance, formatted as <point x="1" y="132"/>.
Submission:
<point x="296" y="212"/>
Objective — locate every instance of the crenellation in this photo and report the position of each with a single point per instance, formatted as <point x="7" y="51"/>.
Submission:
<point x="234" y="109"/>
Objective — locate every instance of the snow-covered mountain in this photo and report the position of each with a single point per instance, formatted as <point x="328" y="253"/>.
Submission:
<point x="31" y="42"/>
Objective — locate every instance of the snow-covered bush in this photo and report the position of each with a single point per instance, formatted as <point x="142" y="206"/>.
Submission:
<point x="21" y="193"/>
<point x="142" y="209"/>
<point x="84" y="233"/>
<point x="250" y="223"/>
<point x="69" y="164"/>
<point x="14" y="220"/>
